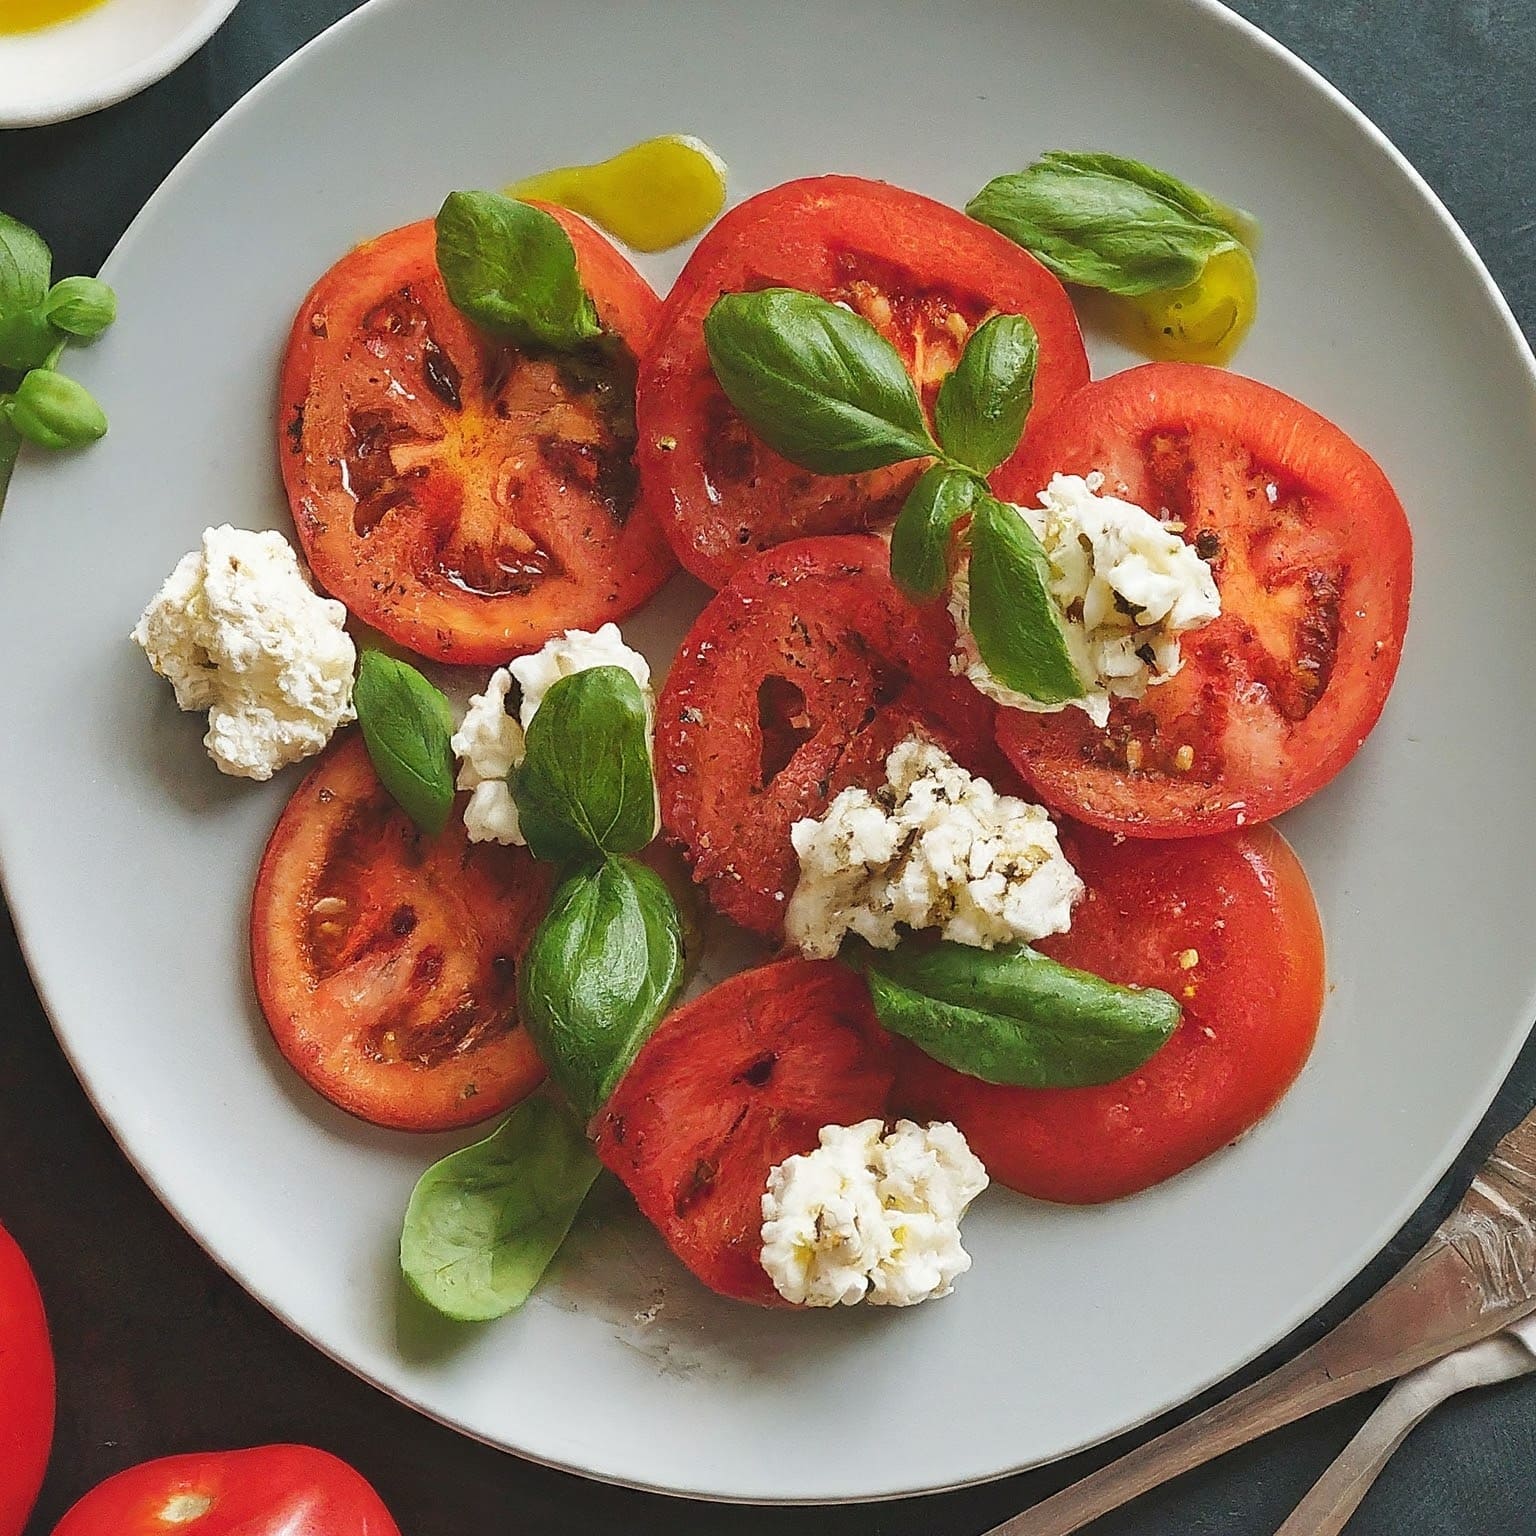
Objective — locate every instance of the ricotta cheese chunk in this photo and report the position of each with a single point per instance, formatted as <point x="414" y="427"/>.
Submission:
<point x="934" y="847"/>
<point x="577" y="651"/>
<point x="238" y="630"/>
<point x="1127" y="585"/>
<point x="870" y="1215"/>
<point x="489" y="745"/>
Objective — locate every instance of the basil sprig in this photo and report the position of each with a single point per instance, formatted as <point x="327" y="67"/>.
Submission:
<point x="601" y="970"/>
<point x="484" y="1223"/>
<point x="586" y="786"/>
<point x="982" y="405"/>
<point x="1018" y="628"/>
<point x="1104" y="221"/>
<point x="1015" y="1017"/>
<point x="407" y="726"/>
<point x="37" y="403"/>
<point x="511" y="270"/>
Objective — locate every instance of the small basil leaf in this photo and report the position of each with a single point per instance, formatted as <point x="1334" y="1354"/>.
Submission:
<point x="600" y="971"/>
<point x="511" y="269"/>
<point x="407" y="725"/>
<point x="818" y="383"/>
<point x="27" y="339"/>
<point x="25" y="265"/>
<point x="1015" y="1017"/>
<point x="982" y="405"/>
<point x="55" y="412"/>
<point x="483" y="1224"/>
<point x="81" y="306"/>
<point x="1015" y="621"/>
<point x="1104" y="222"/>
<point x="921" y="538"/>
<point x="586" y="785"/>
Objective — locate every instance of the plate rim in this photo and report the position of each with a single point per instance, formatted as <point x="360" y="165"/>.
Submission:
<point x="1254" y="38"/>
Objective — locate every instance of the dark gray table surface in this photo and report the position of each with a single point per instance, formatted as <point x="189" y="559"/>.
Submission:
<point x="160" y="1352"/>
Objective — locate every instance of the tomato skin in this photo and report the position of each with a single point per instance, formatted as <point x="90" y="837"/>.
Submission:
<point x="1242" y="903"/>
<point x="815" y="631"/>
<point x="399" y="1006"/>
<point x="271" y="1490"/>
<point x="513" y="511"/>
<point x="915" y="266"/>
<point x="1315" y="565"/>
<point x="26" y="1388"/>
<point x="727" y="1087"/>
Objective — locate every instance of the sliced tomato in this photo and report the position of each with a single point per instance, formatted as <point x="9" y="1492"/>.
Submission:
<point x="469" y="500"/>
<point x="1311" y="551"/>
<point x="26" y="1388"/>
<point x="794" y="683"/>
<point x="386" y="961"/>
<point x="726" y="1088"/>
<point x="1227" y="925"/>
<point x="923" y="274"/>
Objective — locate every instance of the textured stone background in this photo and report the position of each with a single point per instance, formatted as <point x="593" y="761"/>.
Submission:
<point x="159" y="1352"/>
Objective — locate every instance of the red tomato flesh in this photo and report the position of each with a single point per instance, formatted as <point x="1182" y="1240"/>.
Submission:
<point x="26" y="1388"/>
<point x="273" y="1490"/>
<point x="1311" y="550"/>
<point x="1225" y="924"/>
<point x="794" y="683"/>
<point x="466" y="498"/>
<point x="924" y="275"/>
<point x="726" y="1088"/>
<point x="386" y="961"/>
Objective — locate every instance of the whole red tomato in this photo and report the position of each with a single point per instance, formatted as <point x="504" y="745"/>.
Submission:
<point x="273" y="1490"/>
<point x="26" y="1389"/>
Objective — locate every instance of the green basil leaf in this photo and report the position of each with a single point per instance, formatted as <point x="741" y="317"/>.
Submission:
<point x="511" y="269"/>
<point x="1015" y="1017"/>
<point x="1103" y="221"/>
<point x="27" y="339"/>
<point x="1016" y="623"/>
<point x="483" y="1224"/>
<point x="920" y="540"/>
<point x="54" y="412"/>
<point x="25" y="266"/>
<point x="818" y="383"/>
<point x="586" y="785"/>
<point x="600" y="971"/>
<point x="82" y="307"/>
<point x="982" y="405"/>
<point x="407" y="725"/>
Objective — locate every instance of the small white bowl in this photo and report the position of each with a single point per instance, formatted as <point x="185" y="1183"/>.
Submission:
<point x="109" y="53"/>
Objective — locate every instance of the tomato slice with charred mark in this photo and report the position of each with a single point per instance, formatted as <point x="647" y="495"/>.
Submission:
<point x="1225" y="924"/>
<point x="924" y="275"/>
<point x="1312" y="553"/>
<point x="726" y="1088"/>
<point x="386" y="960"/>
<point x="795" y="682"/>
<point x="466" y="498"/>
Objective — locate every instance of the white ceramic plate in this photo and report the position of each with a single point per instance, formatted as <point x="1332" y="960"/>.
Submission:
<point x="99" y="58"/>
<point x="128" y="859"/>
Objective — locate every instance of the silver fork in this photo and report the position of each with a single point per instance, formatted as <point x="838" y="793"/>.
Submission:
<point x="1337" y="1493"/>
<point x="1475" y="1277"/>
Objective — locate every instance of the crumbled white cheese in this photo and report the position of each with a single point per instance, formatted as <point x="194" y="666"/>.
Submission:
<point x="1127" y="585"/>
<point x="577" y="651"/>
<point x="238" y="630"/>
<point x="489" y="745"/>
<point x="870" y="1215"/>
<point x="932" y="848"/>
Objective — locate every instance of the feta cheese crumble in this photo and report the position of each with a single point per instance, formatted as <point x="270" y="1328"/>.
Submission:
<point x="932" y="848"/>
<point x="1127" y="585"/>
<point x="577" y="651"/>
<point x="489" y="745"/>
<point x="238" y="630"/>
<point x="871" y="1215"/>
